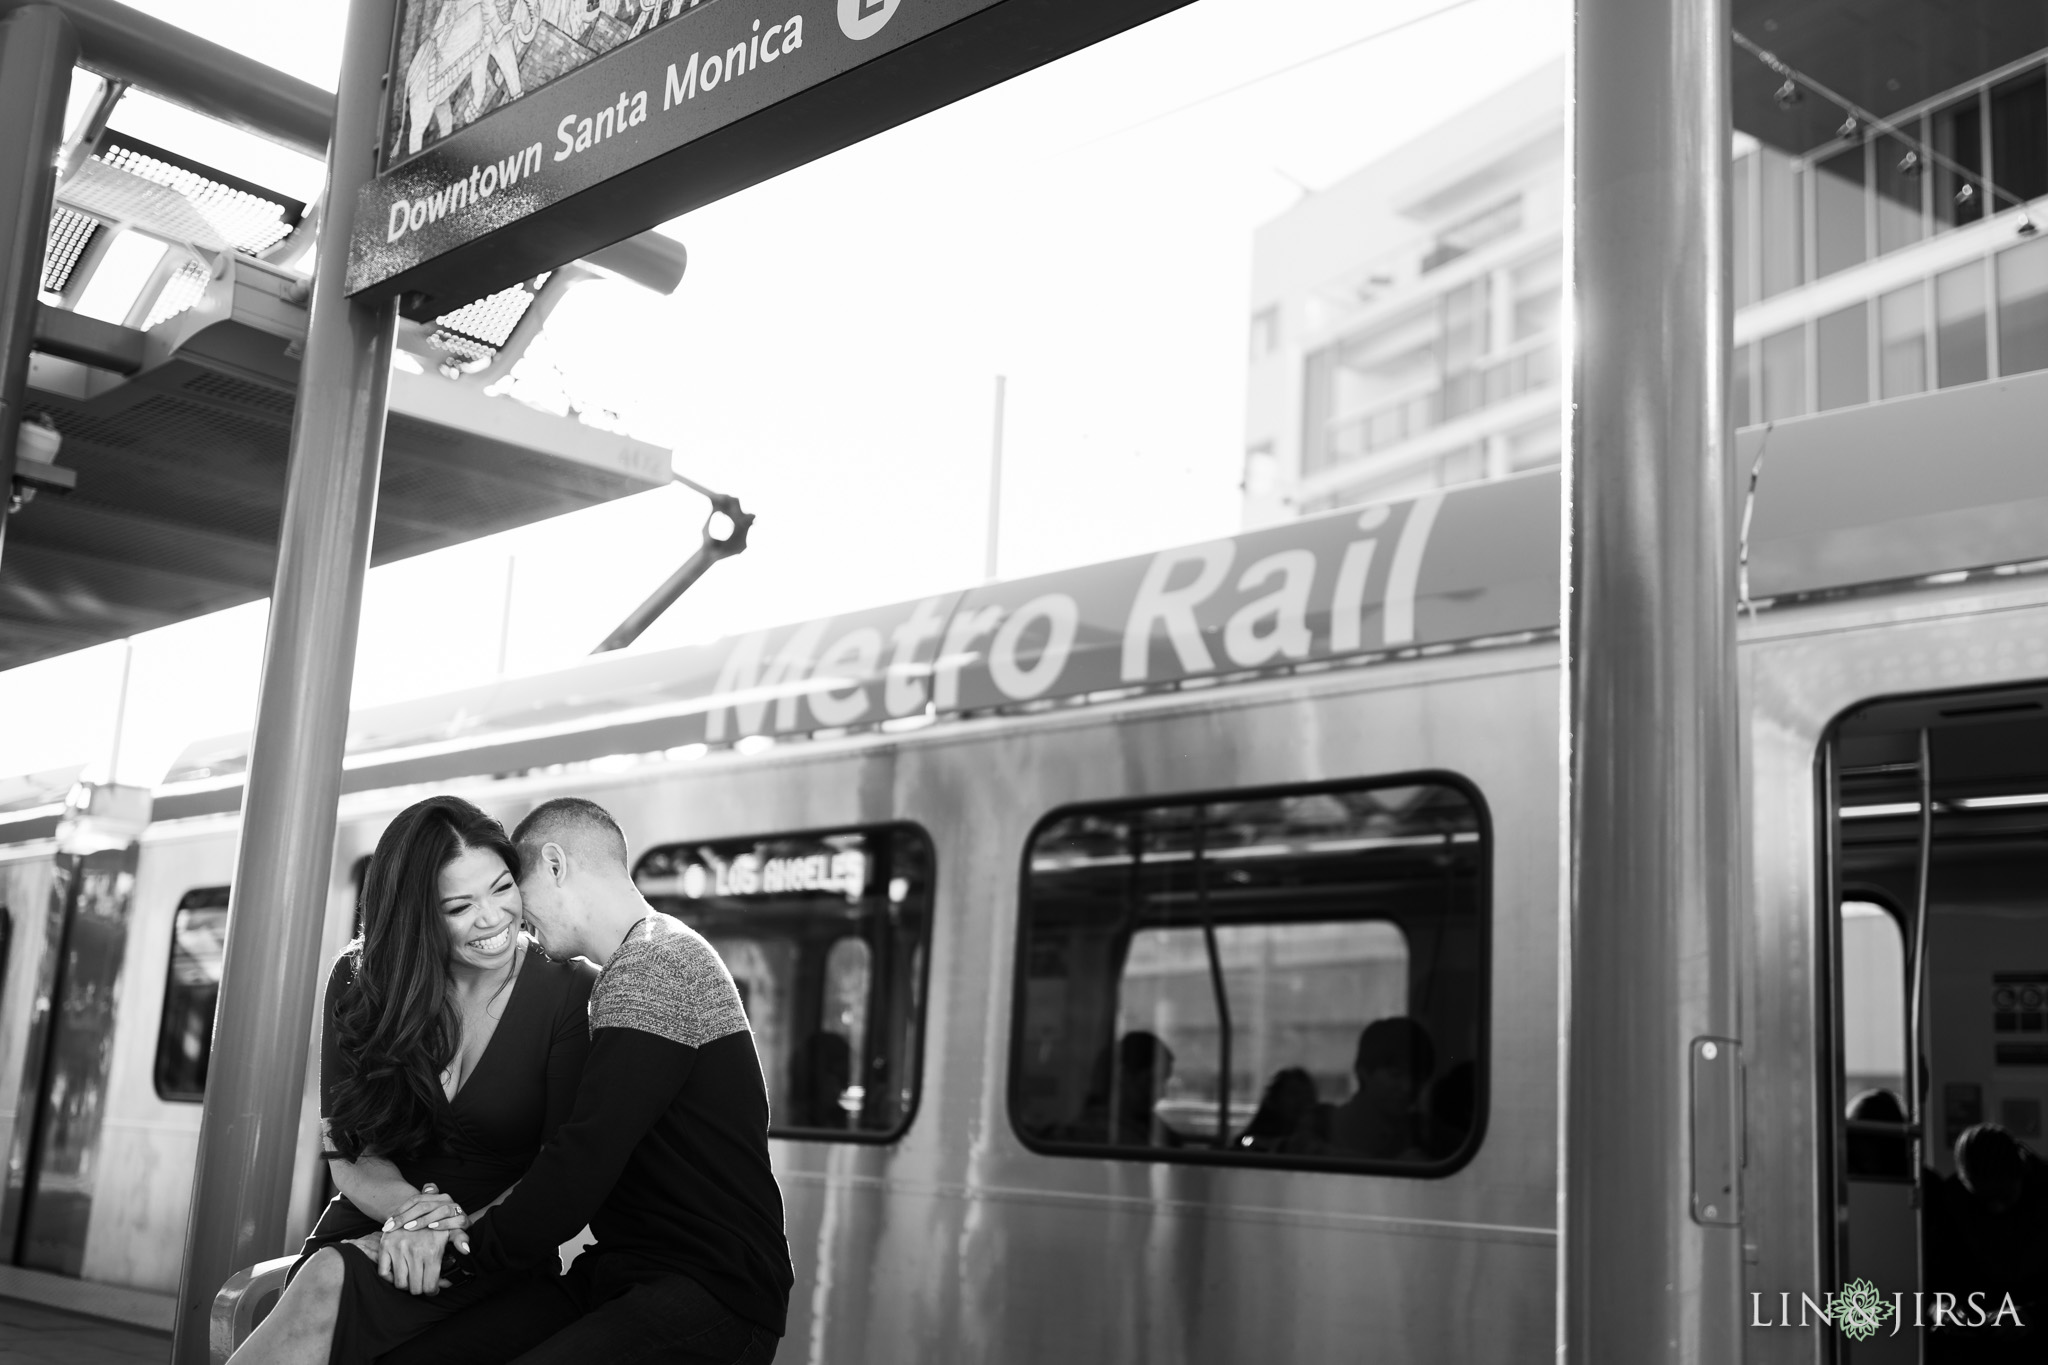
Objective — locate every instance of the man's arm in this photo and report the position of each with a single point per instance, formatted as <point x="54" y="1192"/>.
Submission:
<point x="629" y="1079"/>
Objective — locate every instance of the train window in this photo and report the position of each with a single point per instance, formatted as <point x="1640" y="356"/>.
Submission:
<point x="1873" y="1000"/>
<point x="1287" y="978"/>
<point x="184" y="1038"/>
<point x="826" y="936"/>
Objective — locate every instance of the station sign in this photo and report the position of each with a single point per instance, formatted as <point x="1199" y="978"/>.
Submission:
<point x="522" y="134"/>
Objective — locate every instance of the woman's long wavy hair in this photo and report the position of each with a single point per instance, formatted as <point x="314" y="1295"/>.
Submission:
<point x="395" y="1022"/>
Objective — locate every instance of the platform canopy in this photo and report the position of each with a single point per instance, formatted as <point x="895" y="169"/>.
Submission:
<point x="172" y="386"/>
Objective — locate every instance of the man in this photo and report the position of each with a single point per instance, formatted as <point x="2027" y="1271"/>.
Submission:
<point x="665" y="1154"/>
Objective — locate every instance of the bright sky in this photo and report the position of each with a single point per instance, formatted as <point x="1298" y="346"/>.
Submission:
<point x="830" y="357"/>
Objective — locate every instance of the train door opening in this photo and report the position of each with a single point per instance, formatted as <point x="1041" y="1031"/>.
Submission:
<point x="52" y="1171"/>
<point x="1935" y="924"/>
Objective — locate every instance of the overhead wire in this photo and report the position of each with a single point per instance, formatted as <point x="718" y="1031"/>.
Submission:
<point x="1373" y="37"/>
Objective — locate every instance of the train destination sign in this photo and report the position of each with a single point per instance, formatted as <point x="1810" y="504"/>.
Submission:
<point x="522" y="134"/>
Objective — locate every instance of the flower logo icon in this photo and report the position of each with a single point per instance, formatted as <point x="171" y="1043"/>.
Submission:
<point x="1860" y="1310"/>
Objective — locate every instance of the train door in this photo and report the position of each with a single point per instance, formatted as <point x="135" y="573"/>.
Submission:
<point x="70" y="1045"/>
<point x="1936" y="923"/>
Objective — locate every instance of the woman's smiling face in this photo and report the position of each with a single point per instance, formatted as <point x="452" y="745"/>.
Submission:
<point x="480" y="908"/>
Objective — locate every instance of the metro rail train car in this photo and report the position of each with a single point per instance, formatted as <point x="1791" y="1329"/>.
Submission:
<point x="1159" y="961"/>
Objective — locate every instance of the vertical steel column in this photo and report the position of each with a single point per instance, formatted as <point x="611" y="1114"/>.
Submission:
<point x="1648" y="1273"/>
<point x="269" y="982"/>
<point x="37" y="52"/>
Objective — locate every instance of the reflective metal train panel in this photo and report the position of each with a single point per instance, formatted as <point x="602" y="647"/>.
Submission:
<point x="969" y="1237"/>
<point x="1837" y="698"/>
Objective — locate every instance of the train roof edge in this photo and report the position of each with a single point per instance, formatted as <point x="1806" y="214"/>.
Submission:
<point x="1448" y="568"/>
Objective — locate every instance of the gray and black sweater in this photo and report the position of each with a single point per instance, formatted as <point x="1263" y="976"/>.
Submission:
<point x="665" y="1153"/>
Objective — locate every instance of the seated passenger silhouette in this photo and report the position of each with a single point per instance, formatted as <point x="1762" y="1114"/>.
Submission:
<point x="1395" y="1061"/>
<point x="1878" y="1156"/>
<point x="1447" y="1117"/>
<point x="1987" y="1234"/>
<point x="1285" y="1110"/>
<point x="820" y="1069"/>
<point x="1129" y="1079"/>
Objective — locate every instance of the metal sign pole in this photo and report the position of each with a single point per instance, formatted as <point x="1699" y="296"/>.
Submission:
<point x="37" y="52"/>
<point x="1650" y="1261"/>
<point x="250" y="1134"/>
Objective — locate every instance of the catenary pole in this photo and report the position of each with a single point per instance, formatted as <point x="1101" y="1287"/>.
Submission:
<point x="249" y="1137"/>
<point x="37" y="49"/>
<point x="1649" y="1269"/>
<point x="992" y="550"/>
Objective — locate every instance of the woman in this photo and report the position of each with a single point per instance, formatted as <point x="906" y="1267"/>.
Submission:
<point x="450" y="1052"/>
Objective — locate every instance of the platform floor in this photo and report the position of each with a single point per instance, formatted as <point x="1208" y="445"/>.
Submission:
<point x="31" y="1334"/>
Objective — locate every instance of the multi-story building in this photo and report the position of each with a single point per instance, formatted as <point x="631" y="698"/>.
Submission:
<point x="1405" y="324"/>
<point x="1405" y="320"/>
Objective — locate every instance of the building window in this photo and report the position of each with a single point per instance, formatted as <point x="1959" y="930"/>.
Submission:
<point x="2019" y="136"/>
<point x="1742" y="212"/>
<point x="1961" y="351"/>
<point x="1265" y="332"/>
<point x="1261" y="470"/>
<point x="1742" y="386"/>
<point x="1959" y="137"/>
<point x="1781" y="228"/>
<point x="1292" y="977"/>
<point x="1902" y="341"/>
<point x="1535" y="446"/>
<point x="1842" y="340"/>
<point x="1784" y="374"/>
<point x="826" y="936"/>
<point x="1538" y="287"/>
<point x="1463" y="464"/>
<point x="2023" y="307"/>
<point x="1467" y="236"/>
<point x="1431" y="364"/>
<point x="1900" y="172"/>
<point x="1838" y="200"/>
<point x="184" y="1036"/>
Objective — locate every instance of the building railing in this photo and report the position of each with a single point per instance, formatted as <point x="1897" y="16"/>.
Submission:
<point x="1529" y="366"/>
<point x="1798" y="219"/>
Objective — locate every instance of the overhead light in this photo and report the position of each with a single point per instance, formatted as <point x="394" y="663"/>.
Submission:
<point x="1848" y="128"/>
<point x="1880" y="811"/>
<point x="2002" y="802"/>
<point x="123" y="273"/>
<point x="1788" y="94"/>
<point x="1909" y="164"/>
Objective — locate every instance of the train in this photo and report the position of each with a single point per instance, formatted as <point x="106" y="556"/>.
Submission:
<point x="1158" y="961"/>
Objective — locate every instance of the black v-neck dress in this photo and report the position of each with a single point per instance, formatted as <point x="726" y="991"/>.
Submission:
<point x="518" y="1094"/>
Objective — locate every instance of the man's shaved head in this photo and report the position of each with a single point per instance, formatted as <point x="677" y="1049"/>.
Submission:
<point x="584" y="828"/>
